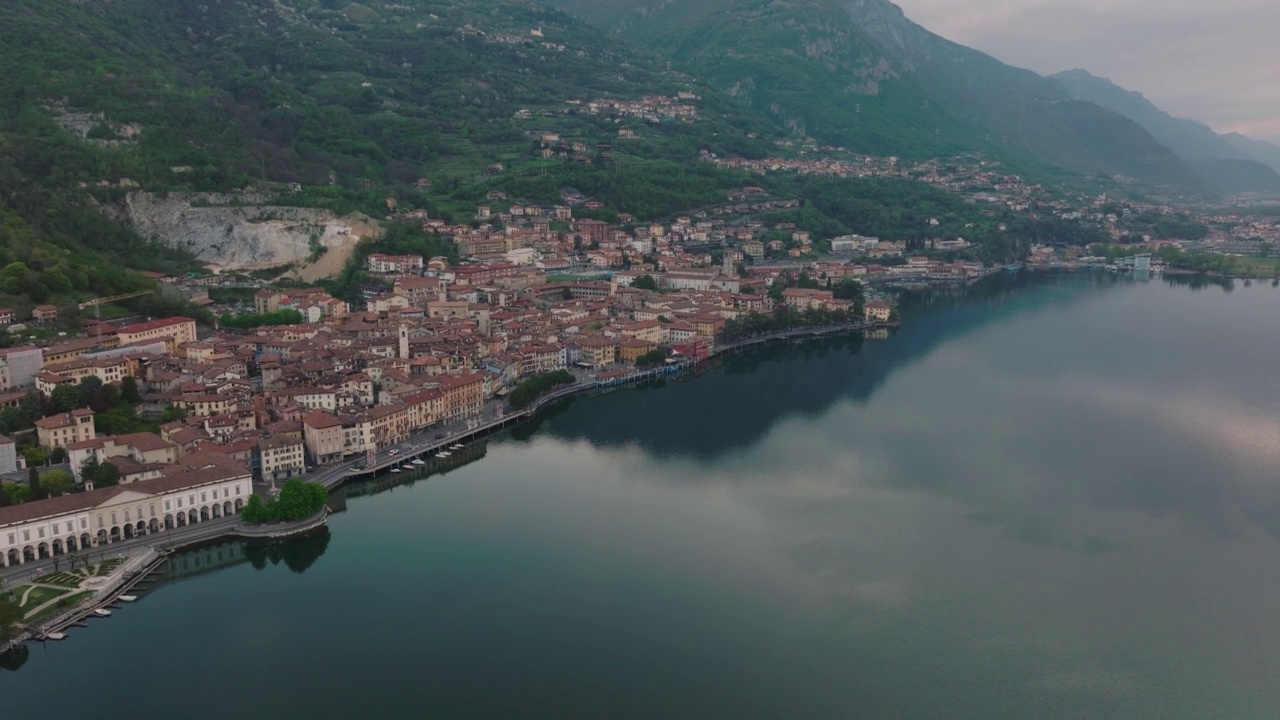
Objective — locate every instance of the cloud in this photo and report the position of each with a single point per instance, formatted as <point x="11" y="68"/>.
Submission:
<point x="1209" y="61"/>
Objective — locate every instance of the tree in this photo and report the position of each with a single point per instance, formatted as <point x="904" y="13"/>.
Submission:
<point x="58" y="455"/>
<point x="65" y="397"/>
<point x="529" y="390"/>
<point x="33" y="484"/>
<point x="645" y="282"/>
<point x="56" y="483"/>
<point x="89" y="387"/>
<point x="653" y="357"/>
<point x="15" y="493"/>
<point x="31" y="406"/>
<point x="10" y="615"/>
<point x="298" y="500"/>
<point x="98" y="474"/>
<point x="56" y="280"/>
<point x="129" y="390"/>
<point x="256" y="511"/>
<point x="109" y="398"/>
<point x="11" y="420"/>
<point x="34" y="455"/>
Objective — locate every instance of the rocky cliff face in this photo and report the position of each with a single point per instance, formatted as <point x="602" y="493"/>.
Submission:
<point x="232" y="236"/>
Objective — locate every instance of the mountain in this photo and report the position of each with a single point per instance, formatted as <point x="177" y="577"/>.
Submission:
<point x="1229" y="165"/>
<point x="859" y="73"/>
<point x="351" y="103"/>
<point x="1260" y="150"/>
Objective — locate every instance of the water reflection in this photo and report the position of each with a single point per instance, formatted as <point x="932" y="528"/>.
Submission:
<point x="725" y="412"/>
<point x="297" y="554"/>
<point x="1044" y="492"/>
<point x="1066" y="509"/>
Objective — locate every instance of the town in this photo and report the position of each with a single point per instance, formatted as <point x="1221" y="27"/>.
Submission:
<point x="116" y="430"/>
<point x="142" y="427"/>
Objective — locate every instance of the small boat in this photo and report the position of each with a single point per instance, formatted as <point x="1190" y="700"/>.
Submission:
<point x="456" y="447"/>
<point x="102" y="612"/>
<point x="419" y="461"/>
<point x="56" y="636"/>
<point x="443" y="454"/>
<point x="406" y="466"/>
<point x="395" y="469"/>
<point x="129" y="598"/>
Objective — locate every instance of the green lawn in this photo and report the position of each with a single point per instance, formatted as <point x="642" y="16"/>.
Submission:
<point x="106" y="566"/>
<point x="37" y="596"/>
<point x="61" y="606"/>
<point x="64" y="579"/>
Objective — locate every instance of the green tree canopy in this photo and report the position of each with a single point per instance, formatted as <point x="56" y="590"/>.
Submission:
<point x="100" y="474"/>
<point x="645" y="282"/>
<point x="55" y="483"/>
<point x="65" y="397"/>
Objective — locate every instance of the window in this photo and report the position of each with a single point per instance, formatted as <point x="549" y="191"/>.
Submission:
<point x="237" y="489"/>
<point x="83" y="523"/>
<point x="40" y="532"/>
<point x="26" y="536"/>
<point x="179" y="502"/>
<point x="70" y="527"/>
<point x="203" y="498"/>
<point x="13" y="538"/>
<point x="166" y="504"/>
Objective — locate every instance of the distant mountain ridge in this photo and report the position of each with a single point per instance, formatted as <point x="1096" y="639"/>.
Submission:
<point x="860" y="73"/>
<point x="1231" y="163"/>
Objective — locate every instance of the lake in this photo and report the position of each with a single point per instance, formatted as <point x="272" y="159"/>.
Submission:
<point x="1048" y="496"/>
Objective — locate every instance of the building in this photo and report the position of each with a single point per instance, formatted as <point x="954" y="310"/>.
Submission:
<point x="66" y="428"/>
<point x="174" y="331"/>
<point x="201" y="488"/>
<point x="383" y="264"/>
<point x="322" y="436"/>
<point x="806" y="298"/>
<point x="281" y="457"/>
<point x="598" y="351"/>
<point x="45" y="314"/>
<point x="463" y="395"/>
<point x="631" y="349"/>
<point x="876" y="310"/>
<point x="22" y="363"/>
<point x="143" y="448"/>
<point x="8" y="456"/>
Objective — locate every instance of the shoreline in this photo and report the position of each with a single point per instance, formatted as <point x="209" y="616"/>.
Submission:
<point x="153" y="556"/>
<point x="347" y="472"/>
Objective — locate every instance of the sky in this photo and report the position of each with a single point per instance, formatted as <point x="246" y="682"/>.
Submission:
<point x="1215" y="61"/>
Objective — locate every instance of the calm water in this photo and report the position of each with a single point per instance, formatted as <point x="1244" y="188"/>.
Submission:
<point x="1057" y="498"/>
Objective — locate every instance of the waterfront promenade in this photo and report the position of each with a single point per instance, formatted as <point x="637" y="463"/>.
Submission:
<point x="426" y="442"/>
<point x="430" y="441"/>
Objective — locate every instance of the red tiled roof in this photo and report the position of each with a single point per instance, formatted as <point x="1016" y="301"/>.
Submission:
<point x="199" y="469"/>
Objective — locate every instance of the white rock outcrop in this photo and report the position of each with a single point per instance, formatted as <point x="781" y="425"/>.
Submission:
<point x="229" y="232"/>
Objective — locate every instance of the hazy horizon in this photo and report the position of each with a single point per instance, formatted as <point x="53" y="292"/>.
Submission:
<point x="1209" y="62"/>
